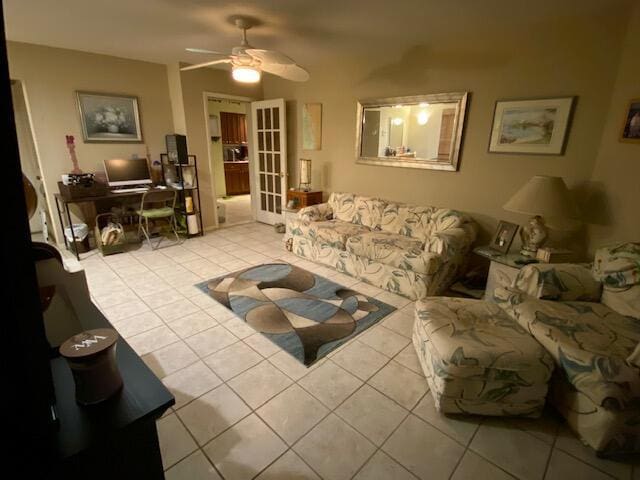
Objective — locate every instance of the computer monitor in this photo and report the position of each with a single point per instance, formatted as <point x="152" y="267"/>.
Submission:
<point x="121" y="172"/>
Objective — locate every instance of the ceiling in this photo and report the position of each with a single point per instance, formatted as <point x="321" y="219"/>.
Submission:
<point x="310" y="31"/>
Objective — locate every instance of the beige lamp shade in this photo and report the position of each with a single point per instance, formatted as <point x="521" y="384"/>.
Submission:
<point x="545" y="196"/>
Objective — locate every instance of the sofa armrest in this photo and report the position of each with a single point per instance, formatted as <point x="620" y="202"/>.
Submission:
<point x="451" y="243"/>
<point x="559" y="281"/>
<point x="316" y="213"/>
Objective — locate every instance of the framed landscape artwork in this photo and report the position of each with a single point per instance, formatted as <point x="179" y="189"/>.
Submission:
<point x="312" y="126"/>
<point x="107" y="118"/>
<point x="531" y="126"/>
<point x="631" y="126"/>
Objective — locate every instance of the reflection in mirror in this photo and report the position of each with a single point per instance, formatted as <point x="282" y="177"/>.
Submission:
<point x="420" y="132"/>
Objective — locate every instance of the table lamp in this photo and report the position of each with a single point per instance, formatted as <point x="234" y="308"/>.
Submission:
<point x="305" y="175"/>
<point x="542" y="196"/>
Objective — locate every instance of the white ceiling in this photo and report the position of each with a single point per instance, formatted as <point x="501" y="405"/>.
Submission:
<point x="310" y="31"/>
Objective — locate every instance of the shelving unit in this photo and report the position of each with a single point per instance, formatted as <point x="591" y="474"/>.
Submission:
<point x="173" y="175"/>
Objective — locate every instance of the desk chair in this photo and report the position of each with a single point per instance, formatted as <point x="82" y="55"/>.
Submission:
<point x="156" y="205"/>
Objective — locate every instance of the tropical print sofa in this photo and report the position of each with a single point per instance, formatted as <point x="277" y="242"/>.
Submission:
<point x="589" y="321"/>
<point x="411" y="250"/>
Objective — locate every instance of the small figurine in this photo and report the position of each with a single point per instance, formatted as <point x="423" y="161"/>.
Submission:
<point x="533" y="235"/>
<point x="72" y="152"/>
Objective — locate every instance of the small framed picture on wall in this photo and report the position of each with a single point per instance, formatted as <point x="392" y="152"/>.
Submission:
<point x="503" y="238"/>
<point x="631" y="126"/>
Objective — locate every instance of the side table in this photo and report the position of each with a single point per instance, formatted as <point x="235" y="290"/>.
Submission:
<point x="304" y="199"/>
<point x="503" y="268"/>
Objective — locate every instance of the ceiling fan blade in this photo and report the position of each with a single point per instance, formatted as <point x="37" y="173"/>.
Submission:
<point x="270" y="56"/>
<point x="205" y="64"/>
<point x="289" y="72"/>
<point x="204" y="50"/>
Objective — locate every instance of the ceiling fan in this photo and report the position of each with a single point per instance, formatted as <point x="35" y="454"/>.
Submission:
<point x="248" y="63"/>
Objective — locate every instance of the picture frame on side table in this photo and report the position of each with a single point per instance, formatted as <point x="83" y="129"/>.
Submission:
<point x="631" y="127"/>
<point x="109" y="118"/>
<point x="503" y="237"/>
<point x="536" y="127"/>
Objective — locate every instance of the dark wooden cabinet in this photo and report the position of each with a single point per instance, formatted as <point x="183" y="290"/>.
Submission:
<point x="304" y="199"/>
<point x="236" y="177"/>
<point x="233" y="128"/>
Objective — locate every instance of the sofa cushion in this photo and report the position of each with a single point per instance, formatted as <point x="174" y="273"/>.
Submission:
<point x="589" y="341"/>
<point x="331" y="232"/>
<point x="410" y="220"/>
<point x="369" y="212"/>
<point x="395" y="250"/>
<point x="343" y="206"/>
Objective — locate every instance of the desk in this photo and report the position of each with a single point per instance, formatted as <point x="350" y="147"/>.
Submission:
<point x="64" y="202"/>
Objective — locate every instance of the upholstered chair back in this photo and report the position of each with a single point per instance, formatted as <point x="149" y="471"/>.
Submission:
<point x="618" y="268"/>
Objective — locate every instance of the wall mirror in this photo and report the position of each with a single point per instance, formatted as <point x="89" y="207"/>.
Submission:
<point x="422" y="131"/>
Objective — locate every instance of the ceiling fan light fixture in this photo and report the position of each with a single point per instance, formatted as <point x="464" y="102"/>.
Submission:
<point x="245" y="74"/>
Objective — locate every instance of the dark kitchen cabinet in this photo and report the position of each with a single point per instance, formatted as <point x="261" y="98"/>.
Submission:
<point x="236" y="177"/>
<point x="233" y="128"/>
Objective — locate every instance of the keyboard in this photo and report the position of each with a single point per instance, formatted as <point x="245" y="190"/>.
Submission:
<point x="130" y="190"/>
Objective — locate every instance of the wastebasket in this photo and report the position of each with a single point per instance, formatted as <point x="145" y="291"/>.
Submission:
<point x="81" y="232"/>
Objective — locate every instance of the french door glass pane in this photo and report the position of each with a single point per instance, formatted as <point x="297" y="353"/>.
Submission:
<point x="271" y="208"/>
<point x="276" y="118"/>
<point x="260" y="122"/>
<point x="262" y="182"/>
<point x="260" y="140"/>
<point x="268" y="134"/>
<point x="267" y="118"/>
<point x="263" y="201"/>
<point x="278" y="203"/>
<point x="261" y="155"/>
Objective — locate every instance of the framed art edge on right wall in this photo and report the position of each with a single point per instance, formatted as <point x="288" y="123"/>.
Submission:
<point x="630" y="132"/>
<point x="534" y="126"/>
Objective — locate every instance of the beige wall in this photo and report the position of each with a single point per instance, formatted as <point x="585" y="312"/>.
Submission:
<point x="613" y="206"/>
<point x="51" y="77"/>
<point x="575" y="55"/>
<point x="194" y="84"/>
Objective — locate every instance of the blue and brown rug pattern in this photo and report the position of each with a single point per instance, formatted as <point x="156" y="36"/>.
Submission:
<point x="305" y="314"/>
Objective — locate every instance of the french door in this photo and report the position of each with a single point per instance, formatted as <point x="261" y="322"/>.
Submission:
<point x="268" y="119"/>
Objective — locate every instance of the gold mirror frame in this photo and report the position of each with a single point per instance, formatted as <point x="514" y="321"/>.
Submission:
<point x="457" y="98"/>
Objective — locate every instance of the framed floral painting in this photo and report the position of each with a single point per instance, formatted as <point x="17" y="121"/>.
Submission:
<point x="107" y="118"/>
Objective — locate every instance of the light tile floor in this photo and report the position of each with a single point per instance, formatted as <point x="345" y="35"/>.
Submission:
<point x="246" y="409"/>
<point x="238" y="209"/>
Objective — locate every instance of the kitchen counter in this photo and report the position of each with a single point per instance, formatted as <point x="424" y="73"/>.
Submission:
<point x="237" y="161"/>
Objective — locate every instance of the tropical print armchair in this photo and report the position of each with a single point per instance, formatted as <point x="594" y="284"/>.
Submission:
<point x="589" y="321"/>
<point x="411" y="250"/>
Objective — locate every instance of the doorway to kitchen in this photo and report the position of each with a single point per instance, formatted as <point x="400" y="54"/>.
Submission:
<point x="229" y="155"/>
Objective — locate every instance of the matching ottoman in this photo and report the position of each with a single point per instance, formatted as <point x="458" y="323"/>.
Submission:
<point x="478" y="360"/>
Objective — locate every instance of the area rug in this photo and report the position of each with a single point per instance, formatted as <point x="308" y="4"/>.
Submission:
<point x="301" y="312"/>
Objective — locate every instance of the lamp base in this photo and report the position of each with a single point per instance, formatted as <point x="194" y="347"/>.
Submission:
<point x="533" y="236"/>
